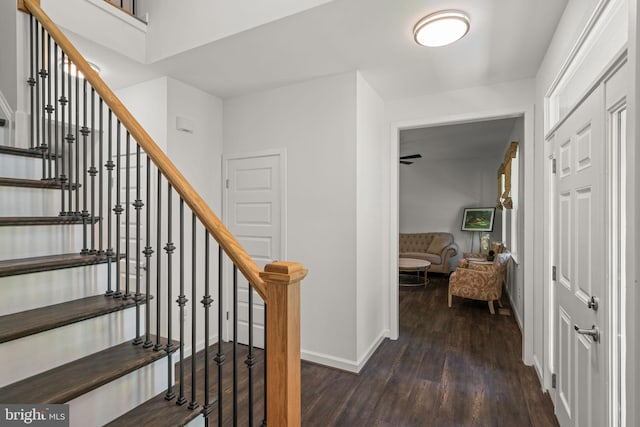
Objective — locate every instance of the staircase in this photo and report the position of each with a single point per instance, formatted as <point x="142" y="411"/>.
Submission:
<point x="105" y="263"/>
<point x="71" y="339"/>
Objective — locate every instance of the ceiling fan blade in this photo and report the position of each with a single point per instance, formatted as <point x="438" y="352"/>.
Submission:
<point x="406" y="163"/>
<point x="412" y="156"/>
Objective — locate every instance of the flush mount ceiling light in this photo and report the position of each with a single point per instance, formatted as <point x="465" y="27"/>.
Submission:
<point x="441" y="28"/>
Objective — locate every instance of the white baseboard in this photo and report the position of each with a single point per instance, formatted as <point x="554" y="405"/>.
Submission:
<point x="515" y="313"/>
<point x="331" y="361"/>
<point x="354" y="366"/>
<point x="372" y="349"/>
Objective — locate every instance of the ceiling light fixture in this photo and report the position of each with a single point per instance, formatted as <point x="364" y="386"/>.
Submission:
<point x="441" y="28"/>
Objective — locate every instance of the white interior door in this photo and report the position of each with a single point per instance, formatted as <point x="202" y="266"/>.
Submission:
<point x="253" y="212"/>
<point x="581" y="262"/>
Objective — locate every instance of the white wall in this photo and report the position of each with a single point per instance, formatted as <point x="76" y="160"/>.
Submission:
<point x="316" y="122"/>
<point x="147" y="102"/>
<point x="8" y="51"/>
<point x="370" y="237"/>
<point x="156" y="104"/>
<point x="433" y="194"/>
<point x="455" y="106"/>
<point x="569" y="28"/>
<point x="198" y="154"/>
<point x="208" y="21"/>
<point x="515" y="276"/>
<point x="633" y="218"/>
<point x="99" y="23"/>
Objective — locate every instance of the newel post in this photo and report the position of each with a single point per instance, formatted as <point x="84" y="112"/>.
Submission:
<point x="283" y="342"/>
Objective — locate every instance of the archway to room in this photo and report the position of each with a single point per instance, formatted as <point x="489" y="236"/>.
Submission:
<point x="430" y="194"/>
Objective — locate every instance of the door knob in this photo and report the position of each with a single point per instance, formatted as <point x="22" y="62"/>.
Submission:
<point x="593" y="303"/>
<point x="594" y="332"/>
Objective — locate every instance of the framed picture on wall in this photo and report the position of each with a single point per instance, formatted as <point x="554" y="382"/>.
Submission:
<point x="478" y="219"/>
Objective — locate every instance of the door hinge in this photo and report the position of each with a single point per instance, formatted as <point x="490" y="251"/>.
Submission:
<point x="227" y="315"/>
<point x="553" y="165"/>
<point x="553" y="273"/>
<point x="226" y="183"/>
<point x="553" y="380"/>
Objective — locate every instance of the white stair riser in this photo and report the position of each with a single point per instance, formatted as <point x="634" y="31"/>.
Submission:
<point x="41" y="240"/>
<point x="18" y="201"/>
<point x="21" y="167"/>
<point x="35" y="290"/>
<point x="108" y="402"/>
<point x="47" y="350"/>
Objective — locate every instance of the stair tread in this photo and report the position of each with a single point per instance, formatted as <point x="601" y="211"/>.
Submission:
<point x="47" y="184"/>
<point x="66" y="382"/>
<point x="14" y="267"/>
<point x="29" y="322"/>
<point x="23" y="152"/>
<point x="157" y="411"/>
<point x="42" y="220"/>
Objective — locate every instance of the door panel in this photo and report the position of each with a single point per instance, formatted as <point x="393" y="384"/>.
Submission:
<point x="253" y="213"/>
<point x="581" y="264"/>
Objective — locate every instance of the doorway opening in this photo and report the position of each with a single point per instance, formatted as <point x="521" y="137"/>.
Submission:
<point x="405" y="141"/>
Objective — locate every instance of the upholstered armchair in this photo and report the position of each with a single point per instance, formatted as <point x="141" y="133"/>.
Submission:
<point x="481" y="282"/>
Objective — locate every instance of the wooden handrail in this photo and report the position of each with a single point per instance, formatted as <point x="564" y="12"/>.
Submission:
<point x="220" y="233"/>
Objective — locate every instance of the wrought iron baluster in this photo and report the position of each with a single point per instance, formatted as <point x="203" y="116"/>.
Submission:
<point x="220" y="357"/>
<point x="63" y="107"/>
<point x="206" y="303"/>
<point x="70" y="138"/>
<point x="49" y="109"/>
<point x="194" y="403"/>
<point x="182" y="300"/>
<point x="138" y="205"/>
<point x="264" y="352"/>
<point x="84" y="131"/>
<point x="118" y="209"/>
<point x="77" y="133"/>
<point x="169" y="248"/>
<point x="43" y="88"/>
<point x="148" y="251"/>
<point x="93" y="172"/>
<point x="235" y="346"/>
<point x="251" y="360"/>
<point x="158" y="345"/>
<point x="32" y="81"/>
<point x="100" y="178"/>
<point x="56" y="152"/>
<point x="109" y="166"/>
<point x="38" y="142"/>
<point x="127" y="216"/>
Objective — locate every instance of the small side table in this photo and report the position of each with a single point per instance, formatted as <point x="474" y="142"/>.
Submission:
<point x="417" y="265"/>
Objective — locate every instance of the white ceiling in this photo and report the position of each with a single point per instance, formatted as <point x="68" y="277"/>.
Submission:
<point x="473" y="140"/>
<point x="507" y="41"/>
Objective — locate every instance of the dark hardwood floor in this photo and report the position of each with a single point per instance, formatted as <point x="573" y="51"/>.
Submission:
<point x="450" y="367"/>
